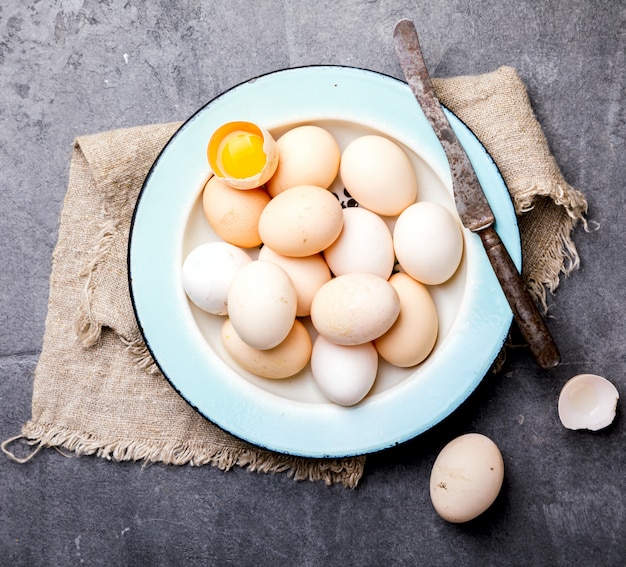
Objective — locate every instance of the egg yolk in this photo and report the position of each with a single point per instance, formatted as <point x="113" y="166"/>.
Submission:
<point x="241" y="154"/>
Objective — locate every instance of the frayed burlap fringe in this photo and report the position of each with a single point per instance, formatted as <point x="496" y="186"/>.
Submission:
<point x="193" y="453"/>
<point x="559" y="257"/>
<point x="88" y="328"/>
<point x="115" y="163"/>
<point x="140" y="355"/>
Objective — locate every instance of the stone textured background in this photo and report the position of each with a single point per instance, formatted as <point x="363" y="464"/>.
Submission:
<point x="72" y="67"/>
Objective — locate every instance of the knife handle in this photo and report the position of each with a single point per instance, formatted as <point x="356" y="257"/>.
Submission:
<point x="527" y="316"/>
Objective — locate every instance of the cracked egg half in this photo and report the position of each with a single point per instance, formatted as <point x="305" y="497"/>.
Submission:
<point x="242" y="155"/>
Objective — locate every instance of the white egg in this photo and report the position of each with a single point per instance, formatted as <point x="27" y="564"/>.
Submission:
<point x="364" y="245"/>
<point x="262" y="304"/>
<point x="587" y="401"/>
<point x="378" y="174"/>
<point x="345" y="374"/>
<point x="207" y="273"/>
<point x="428" y="242"/>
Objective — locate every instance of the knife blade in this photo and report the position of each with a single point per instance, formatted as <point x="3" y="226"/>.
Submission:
<point x="471" y="202"/>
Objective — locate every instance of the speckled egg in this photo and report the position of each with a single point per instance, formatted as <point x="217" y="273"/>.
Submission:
<point x="466" y="477"/>
<point x="354" y="308"/>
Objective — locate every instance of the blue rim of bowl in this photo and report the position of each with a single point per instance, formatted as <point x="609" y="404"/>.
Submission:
<point x="325" y="448"/>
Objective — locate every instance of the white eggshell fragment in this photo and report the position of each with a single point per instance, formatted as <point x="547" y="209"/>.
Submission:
<point x="307" y="274"/>
<point x="282" y="361"/>
<point x="414" y="334"/>
<point x="308" y="155"/>
<point x="208" y="270"/>
<point x="428" y="242"/>
<point x="354" y="308"/>
<point x="466" y="477"/>
<point x="378" y="174"/>
<point x="588" y="401"/>
<point x="262" y="304"/>
<point x="344" y="374"/>
<point x="364" y="245"/>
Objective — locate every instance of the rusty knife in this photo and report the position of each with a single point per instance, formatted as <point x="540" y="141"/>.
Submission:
<point x="471" y="203"/>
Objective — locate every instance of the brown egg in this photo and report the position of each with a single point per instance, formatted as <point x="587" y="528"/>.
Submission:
<point x="282" y="361"/>
<point x="412" y="337"/>
<point x="234" y="213"/>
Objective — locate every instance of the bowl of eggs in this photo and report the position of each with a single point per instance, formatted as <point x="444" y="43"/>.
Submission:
<point x="298" y="269"/>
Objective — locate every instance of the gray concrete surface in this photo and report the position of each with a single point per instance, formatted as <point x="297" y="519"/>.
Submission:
<point x="70" y="67"/>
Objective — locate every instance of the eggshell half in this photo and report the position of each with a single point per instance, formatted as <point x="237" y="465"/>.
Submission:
<point x="218" y="145"/>
<point x="588" y="401"/>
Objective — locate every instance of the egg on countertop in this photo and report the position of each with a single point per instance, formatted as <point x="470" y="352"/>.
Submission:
<point x="234" y="214"/>
<point x="307" y="274"/>
<point x="207" y="272"/>
<point x="344" y="374"/>
<point x="354" y="309"/>
<point x="301" y="221"/>
<point x="308" y="155"/>
<point x="262" y="304"/>
<point x="378" y="174"/>
<point x="414" y="334"/>
<point x="428" y="242"/>
<point x="282" y="361"/>
<point x="466" y="477"/>
<point x="364" y="245"/>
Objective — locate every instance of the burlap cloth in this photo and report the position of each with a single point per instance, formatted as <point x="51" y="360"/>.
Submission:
<point x="97" y="391"/>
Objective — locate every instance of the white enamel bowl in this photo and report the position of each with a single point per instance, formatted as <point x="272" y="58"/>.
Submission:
<point x="292" y="416"/>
